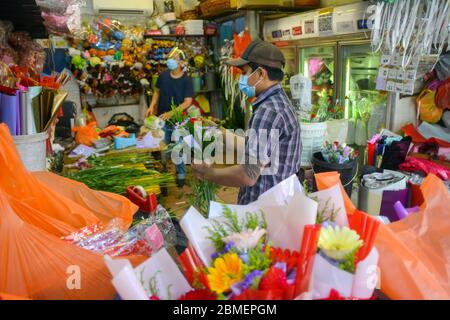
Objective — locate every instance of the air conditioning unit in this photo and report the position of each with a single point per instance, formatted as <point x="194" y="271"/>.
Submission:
<point x="123" y="7"/>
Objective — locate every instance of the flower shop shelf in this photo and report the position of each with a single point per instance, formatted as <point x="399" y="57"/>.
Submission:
<point x="170" y="36"/>
<point x="213" y="9"/>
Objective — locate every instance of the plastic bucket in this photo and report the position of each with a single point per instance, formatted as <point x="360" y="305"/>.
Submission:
<point x="312" y="136"/>
<point x="33" y="151"/>
<point x="197" y="83"/>
<point x="347" y="171"/>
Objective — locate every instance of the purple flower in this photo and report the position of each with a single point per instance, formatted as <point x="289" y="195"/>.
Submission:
<point x="215" y="255"/>
<point x="346" y="152"/>
<point x="237" y="288"/>
<point x="228" y="247"/>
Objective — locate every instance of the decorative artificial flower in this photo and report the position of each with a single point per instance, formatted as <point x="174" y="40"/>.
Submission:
<point x="247" y="239"/>
<point x="227" y="270"/>
<point x="338" y="242"/>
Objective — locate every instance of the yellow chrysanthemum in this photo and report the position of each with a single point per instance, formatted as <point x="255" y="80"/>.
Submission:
<point x="226" y="271"/>
<point x="337" y="242"/>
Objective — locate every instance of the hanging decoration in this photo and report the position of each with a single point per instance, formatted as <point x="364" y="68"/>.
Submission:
<point x="411" y="35"/>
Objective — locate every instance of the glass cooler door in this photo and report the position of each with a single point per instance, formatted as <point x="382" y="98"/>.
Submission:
<point x="318" y="63"/>
<point x="358" y="71"/>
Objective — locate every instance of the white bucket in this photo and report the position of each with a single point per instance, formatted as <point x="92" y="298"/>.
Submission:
<point x="32" y="151"/>
<point x="313" y="137"/>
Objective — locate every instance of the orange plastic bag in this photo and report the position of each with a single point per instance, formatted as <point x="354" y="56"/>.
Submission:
<point x="415" y="251"/>
<point x="58" y="212"/>
<point x="38" y="265"/>
<point x="86" y="135"/>
<point x="104" y="205"/>
<point x="327" y="180"/>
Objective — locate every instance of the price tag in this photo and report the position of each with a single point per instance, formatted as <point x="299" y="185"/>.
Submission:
<point x="408" y="88"/>
<point x="392" y="74"/>
<point x="400" y="75"/>
<point x="396" y="61"/>
<point x="390" y="86"/>
<point x="411" y="74"/>
<point x="384" y="73"/>
<point x="385" y="59"/>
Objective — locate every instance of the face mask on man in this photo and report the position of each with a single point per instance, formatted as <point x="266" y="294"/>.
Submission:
<point x="172" y="64"/>
<point x="249" y="91"/>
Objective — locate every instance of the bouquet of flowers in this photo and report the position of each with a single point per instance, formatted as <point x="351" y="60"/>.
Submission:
<point x="346" y="261"/>
<point x="324" y="109"/>
<point x="338" y="153"/>
<point x="269" y="249"/>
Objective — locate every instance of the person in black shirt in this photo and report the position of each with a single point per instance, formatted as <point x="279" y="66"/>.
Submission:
<point x="173" y="86"/>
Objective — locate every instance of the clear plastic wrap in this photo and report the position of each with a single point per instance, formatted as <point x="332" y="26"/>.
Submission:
<point x="58" y="6"/>
<point x="142" y="239"/>
<point x="62" y="17"/>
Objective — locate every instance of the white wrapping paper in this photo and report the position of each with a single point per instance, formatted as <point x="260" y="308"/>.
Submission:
<point x="170" y="282"/>
<point x="133" y="284"/>
<point x="282" y="193"/>
<point x="331" y="198"/>
<point x="326" y="277"/>
<point x="285" y="225"/>
<point x="216" y="209"/>
<point x="195" y="226"/>
<point x="366" y="276"/>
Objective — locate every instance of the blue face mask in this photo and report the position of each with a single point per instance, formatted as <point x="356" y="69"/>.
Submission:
<point x="172" y="64"/>
<point x="249" y="91"/>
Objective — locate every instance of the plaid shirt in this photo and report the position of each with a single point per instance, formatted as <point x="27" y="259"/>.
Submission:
<point x="273" y="110"/>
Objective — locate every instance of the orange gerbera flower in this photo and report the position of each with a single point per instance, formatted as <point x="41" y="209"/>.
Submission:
<point x="226" y="271"/>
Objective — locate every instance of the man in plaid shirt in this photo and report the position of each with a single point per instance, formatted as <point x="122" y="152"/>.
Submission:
<point x="272" y="143"/>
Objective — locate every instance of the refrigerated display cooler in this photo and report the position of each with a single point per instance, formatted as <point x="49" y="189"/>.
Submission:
<point x="333" y="49"/>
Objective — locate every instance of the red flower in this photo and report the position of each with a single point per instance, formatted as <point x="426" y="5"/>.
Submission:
<point x="274" y="279"/>
<point x="154" y="298"/>
<point x="332" y="110"/>
<point x="184" y="113"/>
<point x="199" y="294"/>
<point x="313" y="115"/>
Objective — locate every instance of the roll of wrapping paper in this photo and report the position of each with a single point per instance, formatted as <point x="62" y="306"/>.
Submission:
<point x="31" y="94"/>
<point x="47" y="98"/>
<point x="23" y="113"/>
<point x="36" y="106"/>
<point x="8" y="111"/>
<point x="57" y="103"/>
<point x="18" y="131"/>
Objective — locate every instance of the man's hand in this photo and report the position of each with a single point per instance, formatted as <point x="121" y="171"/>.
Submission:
<point x="150" y="111"/>
<point x="166" y="116"/>
<point x="201" y="171"/>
